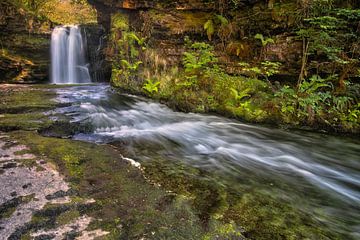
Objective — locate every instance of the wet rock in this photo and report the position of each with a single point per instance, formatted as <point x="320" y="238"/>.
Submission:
<point x="56" y="195"/>
<point x="42" y="200"/>
<point x="12" y="203"/>
<point x="45" y="237"/>
<point x="96" y="39"/>
<point x="64" y="129"/>
<point x="9" y="165"/>
<point x="26" y="185"/>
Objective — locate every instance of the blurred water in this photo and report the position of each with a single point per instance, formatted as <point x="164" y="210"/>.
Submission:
<point x="68" y="63"/>
<point x="316" y="172"/>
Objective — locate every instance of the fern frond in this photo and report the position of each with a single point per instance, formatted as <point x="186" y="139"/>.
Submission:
<point x="210" y="28"/>
<point x="223" y="20"/>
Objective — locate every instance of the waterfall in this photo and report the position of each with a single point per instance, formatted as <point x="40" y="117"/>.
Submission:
<point x="68" y="64"/>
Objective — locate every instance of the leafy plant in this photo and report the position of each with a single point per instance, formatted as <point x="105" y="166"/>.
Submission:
<point x="220" y="25"/>
<point x="151" y="86"/>
<point x="130" y="66"/>
<point x="210" y="28"/>
<point x="329" y="35"/>
<point x="198" y="60"/>
<point x="264" y="41"/>
<point x="312" y="86"/>
<point x="240" y="96"/>
<point x="353" y="115"/>
<point x="265" y="69"/>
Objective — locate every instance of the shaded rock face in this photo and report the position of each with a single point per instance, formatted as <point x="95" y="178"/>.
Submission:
<point x="25" y="45"/>
<point x="96" y="41"/>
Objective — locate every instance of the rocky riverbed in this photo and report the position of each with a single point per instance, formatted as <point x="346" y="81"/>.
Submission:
<point x="35" y="200"/>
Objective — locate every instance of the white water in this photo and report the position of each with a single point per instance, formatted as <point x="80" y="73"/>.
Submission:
<point x="68" y="64"/>
<point x="315" y="173"/>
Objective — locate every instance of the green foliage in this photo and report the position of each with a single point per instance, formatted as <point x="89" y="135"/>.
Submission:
<point x="120" y="22"/>
<point x="129" y="47"/>
<point x="353" y="115"/>
<point x="239" y="96"/>
<point x="129" y="66"/>
<point x="330" y="36"/>
<point x="151" y="86"/>
<point x="264" y="41"/>
<point x="199" y="61"/>
<point x="210" y="28"/>
<point x="199" y="58"/>
<point x="307" y="101"/>
<point x="312" y="86"/>
<point x="270" y="68"/>
<point x="265" y="69"/>
<point x="314" y="102"/>
<point x="218" y="24"/>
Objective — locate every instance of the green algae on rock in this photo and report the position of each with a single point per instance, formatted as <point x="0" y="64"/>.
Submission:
<point x="120" y="190"/>
<point x="225" y="205"/>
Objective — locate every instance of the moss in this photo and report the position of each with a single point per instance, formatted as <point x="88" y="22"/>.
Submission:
<point x="120" y="22"/>
<point x="228" y="208"/>
<point x="20" y="99"/>
<point x="225" y="231"/>
<point x="8" y="212"/>
<point x="181" y="21"/>
<point x="73" y="164"/>
<point x="26" y="237"/>
<point x="10" y="206"/>
<point x="67" y="217"/>
<point x="119" y="190"/>
<point x="26" y="121"/>
<point x="30" y="163"/>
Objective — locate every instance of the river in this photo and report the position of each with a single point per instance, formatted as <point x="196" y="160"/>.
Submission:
<point x="315" y="173"/>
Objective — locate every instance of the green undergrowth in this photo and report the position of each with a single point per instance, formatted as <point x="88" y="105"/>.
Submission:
<point x="202" y="85"/>
<point x="230" y="62"/>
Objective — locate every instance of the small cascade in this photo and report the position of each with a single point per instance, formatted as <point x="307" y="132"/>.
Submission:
<point x="68" y="64"/>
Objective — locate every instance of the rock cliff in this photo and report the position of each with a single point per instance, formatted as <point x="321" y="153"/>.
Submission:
<point x="25" y="43"/>
<point x="165" y="24"/>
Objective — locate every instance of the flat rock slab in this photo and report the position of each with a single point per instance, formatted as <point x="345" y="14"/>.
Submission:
<point x="27" y="188"/>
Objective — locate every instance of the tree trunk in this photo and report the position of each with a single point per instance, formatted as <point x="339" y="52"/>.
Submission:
<point x="303" y="62"/>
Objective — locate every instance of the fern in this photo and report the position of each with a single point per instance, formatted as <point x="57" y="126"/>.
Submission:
<point x="312" y="86"/>
<point x="130" y="66"/>
<point x="151" y="86"/>
<point x="215" y="24"/>
<point x="239" y="96"/>
<point x="264" y="41"/>
<point x="223" y="20"/>
<point x="210" y="28"/>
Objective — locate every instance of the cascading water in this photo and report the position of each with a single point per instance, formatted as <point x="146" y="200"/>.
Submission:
<point x="68" y="64"/>
<point x="315" y="174"/>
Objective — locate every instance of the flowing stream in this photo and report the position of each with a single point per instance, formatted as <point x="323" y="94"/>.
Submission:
<point x="68" y="64"/>
<point x="316" y="173"/>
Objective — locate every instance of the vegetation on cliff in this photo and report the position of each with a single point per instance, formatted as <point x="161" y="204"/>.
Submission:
<point x="229" y="68"/>
<point x="59" y="11"/>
